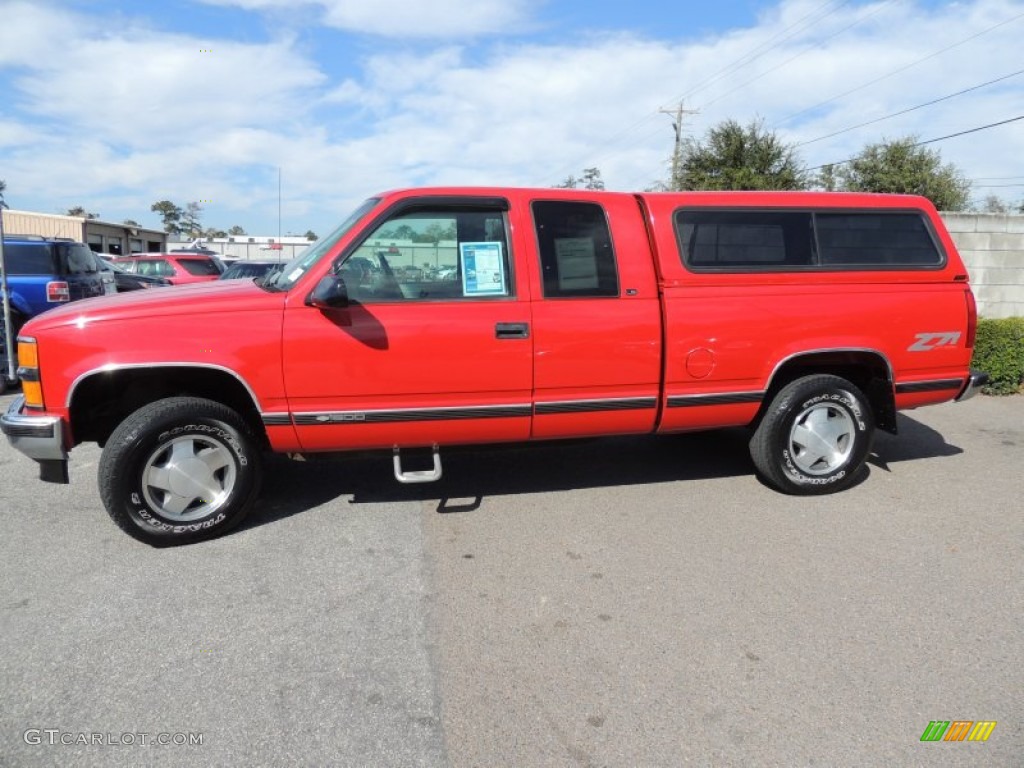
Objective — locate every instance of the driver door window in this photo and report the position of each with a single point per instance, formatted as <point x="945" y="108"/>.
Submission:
<point x="432" y="254"/>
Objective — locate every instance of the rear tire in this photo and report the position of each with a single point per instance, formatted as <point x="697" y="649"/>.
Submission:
<point x="814" y="437"/>
<point x="180" y="470"/>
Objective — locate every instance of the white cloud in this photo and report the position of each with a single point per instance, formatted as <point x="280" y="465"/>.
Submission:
<point x="14" y="134"/>
<point x="109" y="117"/>
<point x="29" y="30"/>
<point x="408" y="18"/>
<point x="150" y="86"/>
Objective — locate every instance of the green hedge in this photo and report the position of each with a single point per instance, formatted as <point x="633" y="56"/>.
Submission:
<point x="999" y="351"/>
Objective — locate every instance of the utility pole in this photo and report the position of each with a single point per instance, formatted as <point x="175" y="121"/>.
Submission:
<point x="677" y="125"/>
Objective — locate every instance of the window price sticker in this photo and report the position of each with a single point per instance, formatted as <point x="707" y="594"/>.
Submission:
<point x="483" y="272"/>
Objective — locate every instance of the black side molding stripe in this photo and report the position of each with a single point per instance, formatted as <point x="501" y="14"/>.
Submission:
<point x="413" y="414"/>
<point x="928" y="386"/>
<point x="592" y="406"/>
<point x="730" y="398"/>
<point x="276" y="419"/>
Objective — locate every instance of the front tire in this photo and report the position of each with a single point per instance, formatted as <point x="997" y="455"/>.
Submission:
<point x="179" y="470"/>
<point x="814" y="437"/>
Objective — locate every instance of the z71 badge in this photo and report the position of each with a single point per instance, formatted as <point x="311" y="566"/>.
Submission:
<point x="929" y="341"/>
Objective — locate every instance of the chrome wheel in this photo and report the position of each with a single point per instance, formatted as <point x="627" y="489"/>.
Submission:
<point x="822" y="439"/>
<point x="189" y="478"/>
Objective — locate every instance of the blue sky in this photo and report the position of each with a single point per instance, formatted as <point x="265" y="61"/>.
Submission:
<point x="115" y="105"/>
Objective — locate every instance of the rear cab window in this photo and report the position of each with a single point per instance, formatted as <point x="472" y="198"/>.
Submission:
<point x="29" y="258"/>
<point x="576" y="252"/>
<point x="752" y="240"/>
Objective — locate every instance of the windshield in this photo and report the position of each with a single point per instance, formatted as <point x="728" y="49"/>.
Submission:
<point x="290" y="272"/>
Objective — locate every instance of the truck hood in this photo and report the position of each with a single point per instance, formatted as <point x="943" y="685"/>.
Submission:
<point x="209" y="298"/>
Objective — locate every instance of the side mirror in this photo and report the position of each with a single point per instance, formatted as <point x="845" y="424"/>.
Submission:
<point x="330" y="293"/>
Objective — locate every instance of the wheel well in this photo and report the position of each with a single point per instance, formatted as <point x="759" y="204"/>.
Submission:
<point x="868" y="370"/>
<point x="106" y="398"/>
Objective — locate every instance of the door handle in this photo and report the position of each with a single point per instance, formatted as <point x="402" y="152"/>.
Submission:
<point x="512" y="331"/>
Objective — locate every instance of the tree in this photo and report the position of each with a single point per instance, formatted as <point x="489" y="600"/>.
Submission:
<point x="435" y="233"/>
<point x="591" y="179"/>
<point x="131" y="223"/>
<point x="80" y="211"/>
<point x="3" y="187"/>
<point x="310" y="235"/>
<point x="827" y="179"/>
<point x="212" y="232"/>
<point x="191" y="220"/>
<point x="903" y="167"/>
<point x="994" y="204"/>
<point x="236" y="230"/>
<point x="732" y="156"/>
<point x="400" y="232"/>
<point x="171" y="215"/>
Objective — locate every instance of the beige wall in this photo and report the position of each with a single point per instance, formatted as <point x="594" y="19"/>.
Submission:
<point x="98" y="234"/>
<point x="992" y="247"/>
<point x="43" y="224"/>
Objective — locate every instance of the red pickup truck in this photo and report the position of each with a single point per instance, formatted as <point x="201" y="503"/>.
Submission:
<point x="437" y="317"/>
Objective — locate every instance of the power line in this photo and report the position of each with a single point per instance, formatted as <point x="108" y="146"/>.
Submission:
<point x="901" y="69"/>
<point x="808" y="49"/>
<point x="932" y="141"/>
<point x="745" y="59"/>
<point x="911" y="109"/>
<point x="755" y="53"/>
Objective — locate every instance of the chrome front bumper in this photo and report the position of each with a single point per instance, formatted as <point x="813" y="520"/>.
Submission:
<point x="39" y="437"/>
<point x="975" y="382"/>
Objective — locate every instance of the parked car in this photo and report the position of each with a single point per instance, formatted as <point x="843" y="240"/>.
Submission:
<point x="176" y="268"/>
<point x="127" y="281"/>
<point x="43" y="273"/>
<point x="250" y="269"/>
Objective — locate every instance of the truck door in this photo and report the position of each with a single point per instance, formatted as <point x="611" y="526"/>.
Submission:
<point x="435" y="346"/>
<point x="596" y="318"/>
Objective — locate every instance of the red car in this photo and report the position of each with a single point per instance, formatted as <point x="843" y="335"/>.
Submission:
<point x="177" y="268"/>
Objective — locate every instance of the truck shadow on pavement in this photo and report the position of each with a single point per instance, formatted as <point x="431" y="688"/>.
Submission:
<point x="472" y="473"/>
<point x="915" y="441"/>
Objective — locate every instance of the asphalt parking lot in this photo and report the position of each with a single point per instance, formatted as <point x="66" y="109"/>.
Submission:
<point x="627" y="602"/>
